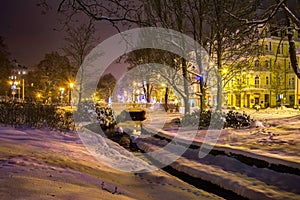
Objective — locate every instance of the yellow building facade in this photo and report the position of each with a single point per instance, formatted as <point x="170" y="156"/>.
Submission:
<point x="270" y="81"/>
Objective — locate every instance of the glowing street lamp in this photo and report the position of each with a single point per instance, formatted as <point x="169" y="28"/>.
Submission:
<point x="38" y="96"/>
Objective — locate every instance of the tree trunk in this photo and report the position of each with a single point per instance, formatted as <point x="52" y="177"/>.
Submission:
<point x="166" y="99"/>
<point x="148" y="98"/>
<point x="80" y="86"/>
<point x="186" y="87"/>
<point x="292" y="51"/>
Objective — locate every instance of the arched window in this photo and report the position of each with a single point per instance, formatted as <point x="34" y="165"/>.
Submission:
<point x="256" y="62"/>
<point x="292" y="84"/>
<point x="267" y="80"/>
<point x="266" y="64"/>
<point x="256" y="81"/>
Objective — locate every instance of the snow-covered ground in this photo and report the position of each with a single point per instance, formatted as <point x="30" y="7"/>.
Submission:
<point x="275" y="138"/>
<point x="229" y="173"/>
<point x="42" y="164"/>
<point x="276" y="132"/>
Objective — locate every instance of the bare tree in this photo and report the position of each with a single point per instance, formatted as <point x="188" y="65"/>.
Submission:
<point x="284" y="15"/>
<point x="79" y="42"/>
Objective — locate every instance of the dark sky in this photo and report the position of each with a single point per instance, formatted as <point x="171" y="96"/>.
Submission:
<point x="29" y="34"/>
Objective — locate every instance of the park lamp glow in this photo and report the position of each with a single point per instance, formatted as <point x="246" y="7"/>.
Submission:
<point x="71" y="85"/>
<point x="38" y="95"/>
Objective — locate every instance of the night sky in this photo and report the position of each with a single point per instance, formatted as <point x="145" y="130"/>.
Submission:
<point x="29" y="32"/>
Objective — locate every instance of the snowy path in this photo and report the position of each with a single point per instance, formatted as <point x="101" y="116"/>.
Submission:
<point x="230" y="174"/>
<point x="41" y="164"/>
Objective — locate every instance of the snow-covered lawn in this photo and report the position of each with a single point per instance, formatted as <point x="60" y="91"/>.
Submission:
<point x="42" y="164"/>
<point x="276" y="132"/>
<point x="274" y="137"/>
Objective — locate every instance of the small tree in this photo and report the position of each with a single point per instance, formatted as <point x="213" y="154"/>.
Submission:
<point x="106" y="86"/>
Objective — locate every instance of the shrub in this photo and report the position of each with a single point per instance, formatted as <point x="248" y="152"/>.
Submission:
<point x="216" y="120"/>
<point x="35" y="115"/>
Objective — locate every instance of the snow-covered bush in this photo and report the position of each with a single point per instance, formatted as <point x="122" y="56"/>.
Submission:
<point x="237" y="120"/>
<point x="106" y="117"/>
<point x="216" y="119"/>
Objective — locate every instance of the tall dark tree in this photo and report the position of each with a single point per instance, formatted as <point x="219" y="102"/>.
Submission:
<point x="4" y="68"/>
<point x="52" y="73"/>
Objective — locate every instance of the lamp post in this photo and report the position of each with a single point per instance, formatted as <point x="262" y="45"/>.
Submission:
<point x="71" y="85"/>
<point x="23" y="90"/>
<point x="14" y="88"/>
<point x="62" y="91"/>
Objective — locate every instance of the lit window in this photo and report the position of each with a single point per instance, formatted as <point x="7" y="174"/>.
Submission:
<point x="256" y="81"/>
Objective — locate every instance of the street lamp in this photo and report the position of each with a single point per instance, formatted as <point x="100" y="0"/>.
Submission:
<point x="71" y="86"/>
<point x="38" y="96"/>
<point x="62" y="91"/>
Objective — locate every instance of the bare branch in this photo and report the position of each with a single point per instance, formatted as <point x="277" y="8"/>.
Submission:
<point x="291" y="15"/>
<point x="262" y="21"/>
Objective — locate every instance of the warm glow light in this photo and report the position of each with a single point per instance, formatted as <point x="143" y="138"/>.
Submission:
<point x="224" y="70"/>
<point x="38" y="95"/>
<point x="71" y="85"/>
